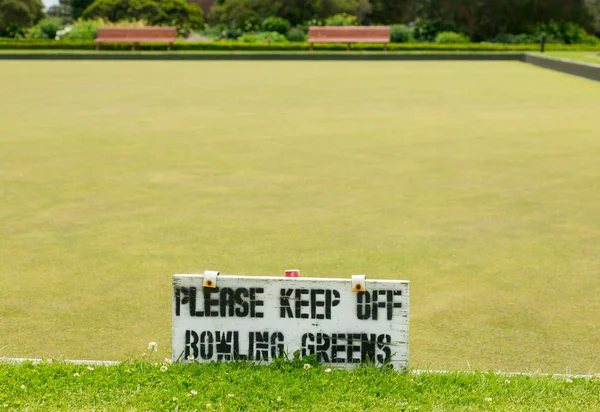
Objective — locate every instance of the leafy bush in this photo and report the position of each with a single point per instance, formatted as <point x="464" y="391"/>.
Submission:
<point x="277" y="24"/>
<point x="80" y="30"/>
<point x="297" y="35"/>
<point x="313" y="22"/>
<point x="450" y="37"/>
<point x="45" y="29"/>
<point x="342" y="19"/>
<point x="426" y="30"/>
<point x="568" y="33"/>
<point x="271" y="37"/>
<point x="221" y="31"/>
<point x="522" y="38"/>
<point x="88" y="29"/>
<point x="591" y="40"/>
<point x="401" y="33"/>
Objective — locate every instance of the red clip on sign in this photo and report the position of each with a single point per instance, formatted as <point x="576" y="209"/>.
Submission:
<point x="292" y="273"/>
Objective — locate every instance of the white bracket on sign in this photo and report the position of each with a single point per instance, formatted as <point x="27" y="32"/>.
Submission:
<point x="210" y="279"/>
<point x="359" y="283"/>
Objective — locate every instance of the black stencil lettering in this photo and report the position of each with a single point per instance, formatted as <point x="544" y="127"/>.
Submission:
<point x="329" y="302"/>
<point x="338" y="348"/>
<point x="236" y="347"/>
<point x="382" y="343"/>
<point x="377" y="303"/>
<point x="209" y="302"/>
<point x="191" y="344"/>
<point x="391" y="305"/>
<point x="353" y="347"/>
<point x="242" y="310"/>
<point x="261" y="345"/>
<point x="255" y="302"/>
<point x="226" y="302"/>
<point x="363" y="305"/>
<point x="397" y="305"/>
<point x="227" y="345"/>
<point x="251" y="345"/>
<point x="189" y="298"/>
<point x="284" y="303"/>
<point x="308" y="347"/>
<point x="315" y="303"/>
<point x="177" y="301"/>
<point x="322" y="347"/>
<point x="367" y="349"/>
<point x="277" y="346"/>
<point x="206" y="345"/>
<point x="299" y="304"/>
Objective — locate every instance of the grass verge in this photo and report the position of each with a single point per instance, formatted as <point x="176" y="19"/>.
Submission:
<point x="143" y="385"/>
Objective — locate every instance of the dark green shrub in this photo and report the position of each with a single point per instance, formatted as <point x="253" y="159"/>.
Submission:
<point x="426" y="30"/>
<point x="46" y="28"/>
<point x="342" y="19"/>
<point x="49" y="27"/>
<point x="80" y="30"/>
<point x="277" y="24"/>
<point x="296" y="35"/>
<point x="523" y="38"/>
<point x="568" y="33"/>
<point x="222" y="32"/>
<point x="450" y="37"/>
<point x="272" y="37"/>
<point x="401" y="33"/>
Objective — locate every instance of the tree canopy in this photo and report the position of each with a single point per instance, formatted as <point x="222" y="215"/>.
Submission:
<point x="156" y="12"/>
<point x="17" y="15"/>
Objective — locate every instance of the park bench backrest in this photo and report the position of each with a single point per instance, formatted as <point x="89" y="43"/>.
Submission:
<point x="349" y="34"/>
<point x="136" y="34"/>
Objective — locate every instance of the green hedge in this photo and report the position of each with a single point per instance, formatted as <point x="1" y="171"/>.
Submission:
<point x="34" y="44"/>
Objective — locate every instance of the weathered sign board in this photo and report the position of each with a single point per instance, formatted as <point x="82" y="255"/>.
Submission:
<point x="340" y="322"/>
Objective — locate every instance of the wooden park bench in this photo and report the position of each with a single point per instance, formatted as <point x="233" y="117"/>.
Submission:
<point x="136" y="35"/>
<point x="349" y="34"/>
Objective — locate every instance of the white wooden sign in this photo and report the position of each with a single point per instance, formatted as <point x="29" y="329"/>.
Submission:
<point x="341" y="322"/>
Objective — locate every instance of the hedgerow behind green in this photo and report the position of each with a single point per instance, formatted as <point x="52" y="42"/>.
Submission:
<point x="35" y="44"/>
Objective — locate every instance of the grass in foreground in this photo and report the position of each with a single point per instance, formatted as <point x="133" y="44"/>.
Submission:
<point x="286" y="386"/>
<point x="477" y="181"/>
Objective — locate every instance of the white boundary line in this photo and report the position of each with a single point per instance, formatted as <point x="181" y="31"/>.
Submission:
<point x="413" y="371"/>
<point x="75" y="362"/>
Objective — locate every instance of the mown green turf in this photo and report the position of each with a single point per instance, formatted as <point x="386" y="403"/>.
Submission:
<point x="477" y="181"/>
<point x="145" y="386"/>
<point x="586" y="57"/>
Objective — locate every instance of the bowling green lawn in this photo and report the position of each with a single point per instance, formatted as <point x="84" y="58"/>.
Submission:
<point x="477" y="181"/>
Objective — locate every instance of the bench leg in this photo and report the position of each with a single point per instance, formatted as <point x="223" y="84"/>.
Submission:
<point x="311" y="47"/>
<point x="170" y="46"/>
<point x="348" y="47"/>
<point x="384" y="46"/>
<point x="97" y="46"/>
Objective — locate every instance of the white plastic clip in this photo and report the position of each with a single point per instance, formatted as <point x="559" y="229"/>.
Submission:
<point x="210" y="279"/>
<point x="359" y="283"/>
